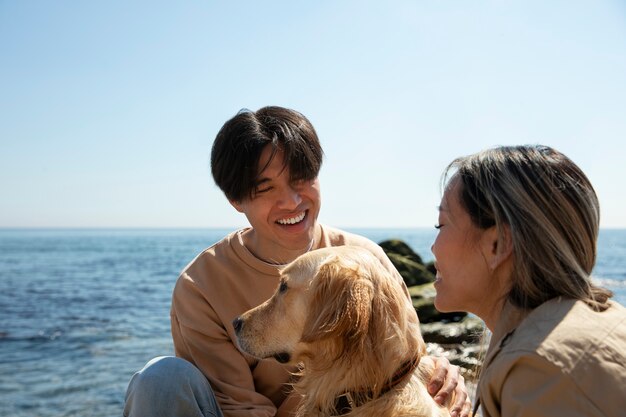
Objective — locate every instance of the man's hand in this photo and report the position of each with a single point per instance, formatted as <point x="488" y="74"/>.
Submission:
<point x="445" y="381"/>
<point x="290" y="405"/>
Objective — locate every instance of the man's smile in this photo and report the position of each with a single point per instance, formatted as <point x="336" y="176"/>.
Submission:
<point x="292" y="220"/>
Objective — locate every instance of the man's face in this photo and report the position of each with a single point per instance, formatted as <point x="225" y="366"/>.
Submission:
<point x="283" y="214"/>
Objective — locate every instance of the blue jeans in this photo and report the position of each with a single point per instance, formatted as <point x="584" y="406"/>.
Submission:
<point x="170" y="387"/>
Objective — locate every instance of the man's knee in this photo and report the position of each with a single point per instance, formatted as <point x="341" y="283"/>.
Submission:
<point x="170" y="369"/>
<point x="165" y="380"/>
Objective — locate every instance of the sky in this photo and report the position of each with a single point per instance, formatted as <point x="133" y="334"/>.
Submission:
<point x="108" y="109"/>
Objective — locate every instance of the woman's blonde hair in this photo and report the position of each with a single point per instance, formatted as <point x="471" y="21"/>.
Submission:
<point x="552" y="212"/>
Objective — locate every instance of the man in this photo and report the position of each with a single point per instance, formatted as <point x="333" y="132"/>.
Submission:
<point x="266" y="163"/>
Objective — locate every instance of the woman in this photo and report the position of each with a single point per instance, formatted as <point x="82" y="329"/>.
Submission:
<point x="516" y="246"/>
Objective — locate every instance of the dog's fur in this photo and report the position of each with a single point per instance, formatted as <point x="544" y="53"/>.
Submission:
<point x="349" y="323"/>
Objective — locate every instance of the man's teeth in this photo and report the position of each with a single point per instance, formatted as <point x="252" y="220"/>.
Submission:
<point x="292" y="220"/>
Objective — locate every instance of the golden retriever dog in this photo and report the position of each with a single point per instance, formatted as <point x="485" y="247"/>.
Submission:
<point x="351" y="328"/>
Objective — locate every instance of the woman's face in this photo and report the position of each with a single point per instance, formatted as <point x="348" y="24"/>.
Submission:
<point x="465" y="282"/>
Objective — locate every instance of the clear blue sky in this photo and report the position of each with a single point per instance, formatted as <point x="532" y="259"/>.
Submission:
<point x="108" y="109"/>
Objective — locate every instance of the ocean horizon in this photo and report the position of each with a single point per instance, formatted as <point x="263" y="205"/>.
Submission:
<point x="82" y="309"/>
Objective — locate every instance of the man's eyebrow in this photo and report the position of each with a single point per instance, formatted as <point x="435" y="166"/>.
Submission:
<point x="262" y="181"/>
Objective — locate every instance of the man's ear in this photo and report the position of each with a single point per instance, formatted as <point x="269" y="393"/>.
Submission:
<point x="497" y="246"/>
<point x="236" y="205"/>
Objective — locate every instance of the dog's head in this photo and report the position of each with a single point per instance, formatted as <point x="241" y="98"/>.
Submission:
<point x="333" y="303"/>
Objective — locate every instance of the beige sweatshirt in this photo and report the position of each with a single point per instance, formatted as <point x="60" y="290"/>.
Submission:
<point x="218" y="285"/>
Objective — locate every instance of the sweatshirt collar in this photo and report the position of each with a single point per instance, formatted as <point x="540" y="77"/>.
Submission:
<point x="236" y="242"/>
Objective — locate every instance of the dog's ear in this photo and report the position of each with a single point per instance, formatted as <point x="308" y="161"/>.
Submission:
<point x="341" y="305"/>
<point x="394" y="320"/>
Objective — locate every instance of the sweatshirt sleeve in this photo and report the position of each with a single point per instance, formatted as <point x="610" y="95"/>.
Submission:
<point x="200" y="337"/>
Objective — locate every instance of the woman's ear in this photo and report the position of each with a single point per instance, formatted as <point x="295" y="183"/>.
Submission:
<point x="497" y="246"/>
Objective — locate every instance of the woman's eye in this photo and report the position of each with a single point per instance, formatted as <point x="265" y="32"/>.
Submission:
<point x="283" y="287"/>
<point x="438" y="226"/>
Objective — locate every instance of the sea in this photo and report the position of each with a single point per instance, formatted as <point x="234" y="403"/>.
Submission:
<point x="82" y="310"/>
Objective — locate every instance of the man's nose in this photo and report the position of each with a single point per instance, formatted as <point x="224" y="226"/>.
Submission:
<point x="291" y="197"/>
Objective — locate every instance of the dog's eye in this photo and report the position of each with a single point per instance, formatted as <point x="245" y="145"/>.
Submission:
<point x="283" y="286"/>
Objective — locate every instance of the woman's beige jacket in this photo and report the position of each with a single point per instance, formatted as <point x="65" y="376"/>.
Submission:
<point x="560" y="359"/>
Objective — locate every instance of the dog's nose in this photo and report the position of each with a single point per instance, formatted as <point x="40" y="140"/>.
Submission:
<point x="238" y="324"/>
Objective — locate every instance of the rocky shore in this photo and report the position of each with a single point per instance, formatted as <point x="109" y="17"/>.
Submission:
<point x="454" y="335"/>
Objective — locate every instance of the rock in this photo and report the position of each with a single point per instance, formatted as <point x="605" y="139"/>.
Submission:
<point x="466" y="356"/>
<point x="424" y="291"/>
<point x="427" y="313"/>
<point x="399" y="247"/>
<point x="408" y="263"/>
<point x="430" y="267"/>
<point x="412" y="272"/>
<point x="459" y="342"/>
<point x="423" y="297"/>
<point x="466" y="331"/>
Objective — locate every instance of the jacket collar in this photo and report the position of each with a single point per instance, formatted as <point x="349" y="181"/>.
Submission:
<point x="510" y="318"/>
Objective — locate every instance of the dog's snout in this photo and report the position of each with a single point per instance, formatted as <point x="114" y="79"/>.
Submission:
<point x="238" y="324"/>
